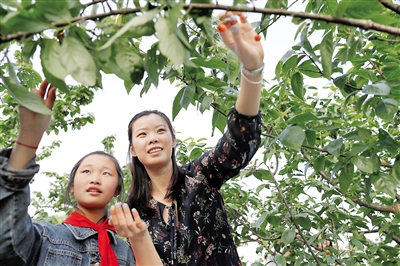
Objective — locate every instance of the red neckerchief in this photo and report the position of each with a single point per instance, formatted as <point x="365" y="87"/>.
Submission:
<point x="107" y="256"/>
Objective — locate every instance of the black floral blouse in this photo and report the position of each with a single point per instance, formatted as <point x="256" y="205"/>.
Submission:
<point x="199" y="234"/>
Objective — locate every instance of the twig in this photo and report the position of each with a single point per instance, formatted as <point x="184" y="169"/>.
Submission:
<point x="293" y="218"/>
<point x="391" y="6"/>
<point x="366" y="24"/>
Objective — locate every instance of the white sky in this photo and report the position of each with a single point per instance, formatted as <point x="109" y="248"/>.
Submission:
<point x="113" y="109"/>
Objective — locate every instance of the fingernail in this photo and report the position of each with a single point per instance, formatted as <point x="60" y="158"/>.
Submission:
<point x="110" y="218"/>
<point x="221" y="27"/>
<point x="235" y="29"/>
<point x="125" y="206"/>
<point x="227" y="20"/>
<point x="134" y="210"/>
<point x="234" y="17"/>
<point x="117" y="205"/>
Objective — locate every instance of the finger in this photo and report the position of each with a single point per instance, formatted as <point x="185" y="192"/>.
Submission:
<point x="139" y="223"/>
<point x="51" y="97"/>
<point x="128" y="215"/>
<point x="43" y="88"/>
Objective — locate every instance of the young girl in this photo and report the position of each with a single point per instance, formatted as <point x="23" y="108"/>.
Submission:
<point x="85" y="237"/>
<point x="182" y="205"/>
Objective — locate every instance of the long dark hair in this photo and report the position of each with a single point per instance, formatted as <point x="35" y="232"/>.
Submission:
<point x="139" y="193"/>
<point x="120" y="186"/>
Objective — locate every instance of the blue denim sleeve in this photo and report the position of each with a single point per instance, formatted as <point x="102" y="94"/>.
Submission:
<point x="233" y="151"/>
<point x="19" y="241"/>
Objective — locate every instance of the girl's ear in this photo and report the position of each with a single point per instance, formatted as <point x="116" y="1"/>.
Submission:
<point x="132" y="151"/>
<point x="71" y="190"/>
<point x="116" y="194"/>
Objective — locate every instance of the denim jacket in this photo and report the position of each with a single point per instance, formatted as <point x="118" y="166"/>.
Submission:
<point x="23" y="242"/>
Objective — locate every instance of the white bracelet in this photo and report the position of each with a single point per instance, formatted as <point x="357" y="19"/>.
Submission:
<point x="252" y="73"/>
<point x="252" y="82"/>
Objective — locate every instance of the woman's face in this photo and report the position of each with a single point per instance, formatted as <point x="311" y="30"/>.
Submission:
<point x="95" y="182"/>
<point x="152" y="141"/>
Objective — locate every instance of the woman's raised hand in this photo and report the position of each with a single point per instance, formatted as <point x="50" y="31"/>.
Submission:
<point x="240" y="37"/>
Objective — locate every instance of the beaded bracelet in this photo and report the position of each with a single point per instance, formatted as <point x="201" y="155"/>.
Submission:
<point x="252" y="73"/>
<point x="25" y="145"/>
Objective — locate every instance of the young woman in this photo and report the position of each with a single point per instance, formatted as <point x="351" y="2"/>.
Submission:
<point x="182" y="205"/>
<point x="85" y="237"/>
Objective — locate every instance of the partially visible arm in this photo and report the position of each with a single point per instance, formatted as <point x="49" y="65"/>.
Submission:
<point x="128" y="224"/>
<point x="239" y="37"/>
<point x="19" y="241"/>
<point x="32" y="128"/>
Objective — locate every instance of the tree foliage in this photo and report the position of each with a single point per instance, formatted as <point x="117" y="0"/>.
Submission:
<point x="330" y="166"/>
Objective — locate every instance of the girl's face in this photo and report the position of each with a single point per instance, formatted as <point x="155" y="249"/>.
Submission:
<point x="95" y="182"/>
<point x="152" y="141"/>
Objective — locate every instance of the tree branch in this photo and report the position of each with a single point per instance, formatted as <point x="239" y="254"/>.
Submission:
<point x="391" y="6"/>
<point x="366" y="24"/>
<point x="299" y="231"/>
<point x="394" y="208"/>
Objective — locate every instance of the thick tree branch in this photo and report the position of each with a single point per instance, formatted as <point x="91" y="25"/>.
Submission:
<point x="361" y="23"/>
<point x="391" y="6"/>
<point x="395" y="238"/>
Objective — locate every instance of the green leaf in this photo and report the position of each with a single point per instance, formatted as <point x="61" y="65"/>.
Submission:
<point x="319" y="163"/>
<point x="51" y="59"/>
<point x="326" y="49"/>
<point x="305" y="222"/>
<point x="292" y="137"/>
<point x="218" y="121"/>
<point x="309" y="69"/>
<point x="205" y="24"/>
<point x="334" y="147"/>
<point x="380" y="88"/>
<point x="346" y="177"/>
<point x="58" y="83"/>
<point x="297" y="85"/>
<point x="340" y="81"/>
<point x="150" y="65"/>
<point x="288" y="236"/>
<point x="56" y="12"/>
<point x="205" y="103"/>
<point x="133" y="24"/>
<point x="360" y="102"/>
<point x="176" y="106"/>
<point x="363" y="163"/>
<point x="187" y="96"/>
<point x="386" y="109"/>
<point x="23" y="22"/>
<point x="305" y="43"/>
<point x="302" y="118"/>
<point x="28" y="49"/>
<point x="25" y="98"/>
<point x="357" y="243"/>
<point x="233" y="64"/>
<point x="385" y="183"/>
<point x="169" y="44"/>
<point x="281" y="261"/>
<point x="78" y="61"/>
<point x="396" y="171"/>
<point x="263" y="175"/>
<point x="260" y="220"/>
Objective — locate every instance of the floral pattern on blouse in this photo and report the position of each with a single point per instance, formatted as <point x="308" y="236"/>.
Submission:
<point x="198" y="233"/>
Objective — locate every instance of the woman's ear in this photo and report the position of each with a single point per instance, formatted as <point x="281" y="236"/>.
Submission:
<point x="116" y="194"/>
<point x="174" y="142"/>
<point x="132" y="151"/>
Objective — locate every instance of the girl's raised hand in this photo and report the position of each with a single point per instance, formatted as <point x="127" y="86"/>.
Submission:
<point x="238" y="35"/>
<point x="127" y="222"/>
<point x="33" y="125"/>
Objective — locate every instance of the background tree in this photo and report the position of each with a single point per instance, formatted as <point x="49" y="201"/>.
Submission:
<point x="330" y="166"/>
